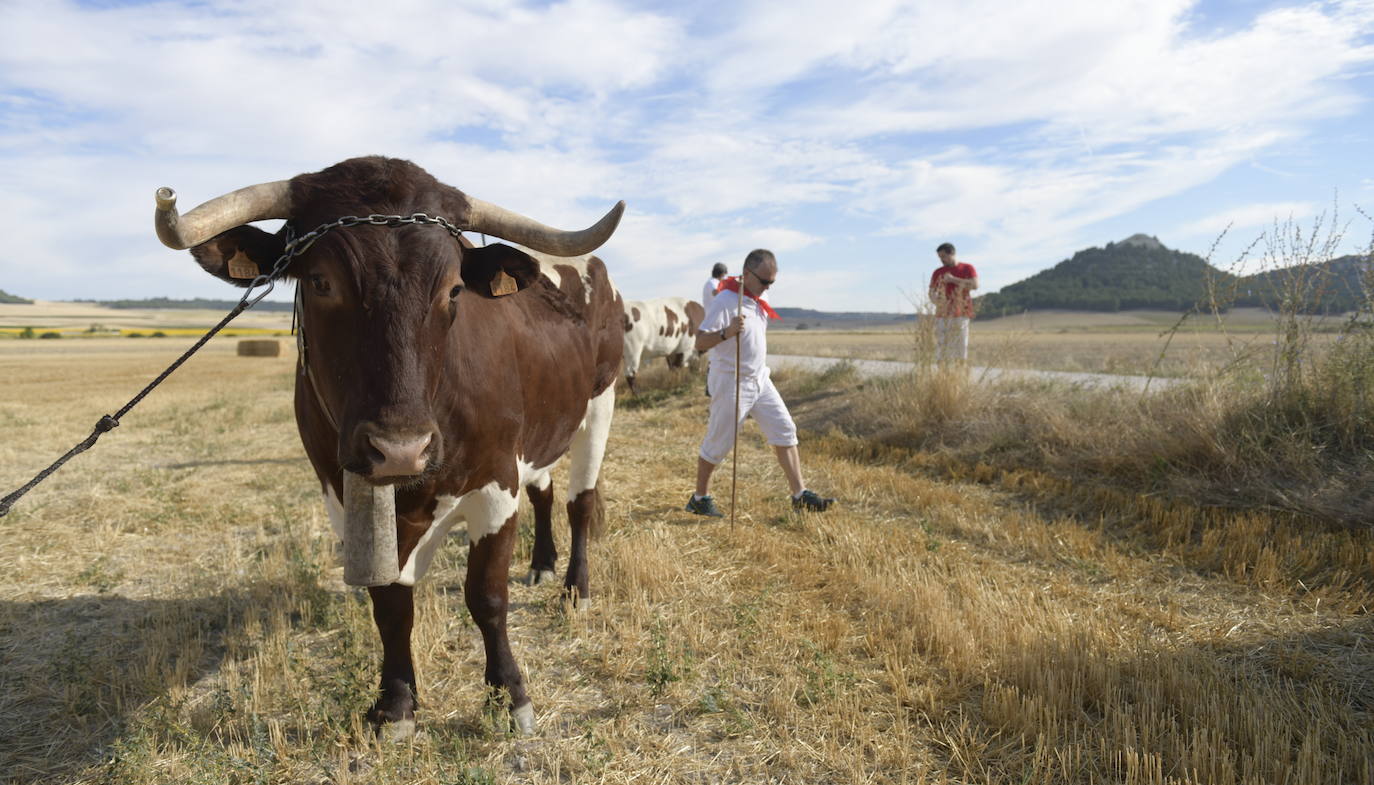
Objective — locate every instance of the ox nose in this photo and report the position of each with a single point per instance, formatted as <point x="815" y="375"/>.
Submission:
<point x="393" y="457"/>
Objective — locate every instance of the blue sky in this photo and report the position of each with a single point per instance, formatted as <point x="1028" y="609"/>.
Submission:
<point x="849" y="137"/>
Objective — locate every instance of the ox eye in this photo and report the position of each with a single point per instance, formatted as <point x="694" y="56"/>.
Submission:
<point x="320" y="284"/>
<point x="455" y="291"/>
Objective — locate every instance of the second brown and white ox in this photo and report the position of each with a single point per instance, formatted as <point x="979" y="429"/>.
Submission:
<point x="662" y="327"/>
<point x="435" y="381"/>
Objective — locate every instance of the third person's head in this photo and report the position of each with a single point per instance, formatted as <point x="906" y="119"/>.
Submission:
<point x="760" y="271"/>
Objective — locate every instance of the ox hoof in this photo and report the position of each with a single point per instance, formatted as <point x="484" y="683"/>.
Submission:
<point x="398" y="732"/>
<point x="392" y="717"/>
<point x="523" y="719"/>
<point x="537" y="577"/>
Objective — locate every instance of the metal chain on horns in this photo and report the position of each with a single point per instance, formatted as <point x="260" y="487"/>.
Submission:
<point x="295" y="246"/>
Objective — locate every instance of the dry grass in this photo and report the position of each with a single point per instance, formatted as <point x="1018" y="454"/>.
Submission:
<point x="1215" y="443"/>
<point x="174" y="613"/>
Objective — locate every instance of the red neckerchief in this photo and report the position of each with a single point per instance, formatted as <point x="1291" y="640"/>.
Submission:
<point x="731" y="284"/>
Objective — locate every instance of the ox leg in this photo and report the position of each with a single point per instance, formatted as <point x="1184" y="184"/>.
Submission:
<point x="393" y="609"/>
<point x="631" y="365"/>
<point x="585" y="515"/>
<point x="487" y="599"/>
<point x="585" y="511"/>
<point x="675" y="360"/>
<point x="545" y="556"/>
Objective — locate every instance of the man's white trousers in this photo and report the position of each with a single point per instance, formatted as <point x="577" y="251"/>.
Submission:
<point x="757" y="398"/>
<point x="951" y="338"/>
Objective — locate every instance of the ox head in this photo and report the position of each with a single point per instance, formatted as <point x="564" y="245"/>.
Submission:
<point x="378" y="303"/>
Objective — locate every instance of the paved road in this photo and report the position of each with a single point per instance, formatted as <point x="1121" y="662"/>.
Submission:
<point x="890" y="368"/>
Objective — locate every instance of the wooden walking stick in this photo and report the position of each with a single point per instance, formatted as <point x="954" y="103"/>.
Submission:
<point x="734" y="448"/>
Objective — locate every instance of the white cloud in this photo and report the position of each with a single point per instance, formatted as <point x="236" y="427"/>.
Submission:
<point x="1249" y="215"/>
<point x="1013" y="128"/>
<point x="1117" y="72"/>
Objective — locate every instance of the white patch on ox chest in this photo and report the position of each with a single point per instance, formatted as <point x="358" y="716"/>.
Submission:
<point x="445" y="516"/>
<point x="485" y="511"/>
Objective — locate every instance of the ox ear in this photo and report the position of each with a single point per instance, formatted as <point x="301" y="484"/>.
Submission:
<point x="497" y="270"/>
<point x="240" y="254"/>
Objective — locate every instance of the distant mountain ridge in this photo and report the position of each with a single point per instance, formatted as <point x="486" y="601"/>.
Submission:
<point x="794" y="316"/>
<point x="196" y="304"/>
<point x="1334" y="286"/>
<point x="13" y="299"/>
<point x="1140" y="272"/>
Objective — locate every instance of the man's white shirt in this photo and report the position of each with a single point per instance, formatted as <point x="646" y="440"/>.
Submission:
<point x="708" y="291"/>
<point x="753" y="358"/>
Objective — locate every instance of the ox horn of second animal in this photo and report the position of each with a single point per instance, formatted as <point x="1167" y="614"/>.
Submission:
<point x="497" y="221"/>
<point x="369" y="538"/>
<point x="254" y="203"/>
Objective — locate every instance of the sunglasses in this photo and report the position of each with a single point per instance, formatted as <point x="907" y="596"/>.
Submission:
<point x="765" y="281"/>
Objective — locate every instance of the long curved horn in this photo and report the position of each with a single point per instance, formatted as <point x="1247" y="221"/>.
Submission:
<point x="254" y="203"/>
<point x="488" y="218"/>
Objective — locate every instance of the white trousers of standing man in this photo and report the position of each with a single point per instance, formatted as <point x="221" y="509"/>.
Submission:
<point x="757" y="397"/>
<point x="951" y="339"/>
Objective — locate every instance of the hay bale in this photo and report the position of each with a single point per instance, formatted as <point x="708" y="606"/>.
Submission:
<point x="259" y="347"/>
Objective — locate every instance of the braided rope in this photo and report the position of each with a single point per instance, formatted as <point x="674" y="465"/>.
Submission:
<point x="111" y="421"/>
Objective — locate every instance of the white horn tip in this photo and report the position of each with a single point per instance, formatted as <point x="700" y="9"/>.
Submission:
<point x="167" y="198"/>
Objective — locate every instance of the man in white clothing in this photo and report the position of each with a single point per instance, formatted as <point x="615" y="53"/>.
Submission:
<point x="708" y="289"/>
<point x="723" y="326"/>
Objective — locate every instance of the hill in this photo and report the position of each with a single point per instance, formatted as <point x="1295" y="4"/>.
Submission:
<point x="1136" y="273"/>
<point x="1330" y="287"/>
<point x="805" y="319"/>
<point x="12" y="299"/>
<point x="1140" y="272"/>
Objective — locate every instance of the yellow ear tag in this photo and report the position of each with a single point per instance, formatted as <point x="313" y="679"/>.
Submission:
<point x="502" y="284"/>
<point x="241" y="267"/>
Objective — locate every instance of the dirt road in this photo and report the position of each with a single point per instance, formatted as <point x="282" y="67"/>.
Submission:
<point x="978" y="373"/>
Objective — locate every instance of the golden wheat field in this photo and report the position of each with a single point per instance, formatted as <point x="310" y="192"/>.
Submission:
<point x="173" y="612"/>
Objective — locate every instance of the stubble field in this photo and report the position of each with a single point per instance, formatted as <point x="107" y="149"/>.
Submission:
<point x="174" y="612"/>
<point x="1131" y="342"/>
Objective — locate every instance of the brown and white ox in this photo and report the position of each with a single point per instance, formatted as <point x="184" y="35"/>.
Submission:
<point x="662" y="327"/>
<point x="436" y="379"/>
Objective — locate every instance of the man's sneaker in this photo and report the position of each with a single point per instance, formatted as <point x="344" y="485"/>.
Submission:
<point x="703" y="506"/>
<point x="810" y="502"/>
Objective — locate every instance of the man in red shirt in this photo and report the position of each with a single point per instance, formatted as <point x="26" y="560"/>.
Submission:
<point x="950" y="285"/>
